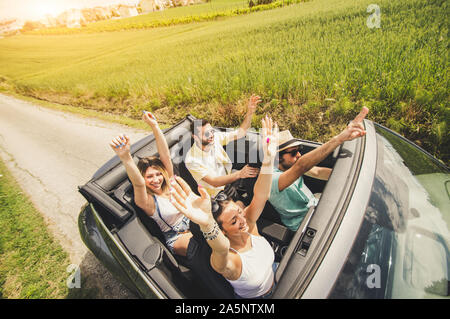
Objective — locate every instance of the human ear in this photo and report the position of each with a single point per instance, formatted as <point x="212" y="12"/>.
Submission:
<point x="196" y="139"/>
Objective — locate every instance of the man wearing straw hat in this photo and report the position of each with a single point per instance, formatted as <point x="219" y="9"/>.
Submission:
<point x="289" y="194"/>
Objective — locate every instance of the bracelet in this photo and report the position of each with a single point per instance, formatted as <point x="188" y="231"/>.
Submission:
<point x="213" y="233"/>
<point x="212" y="228"/>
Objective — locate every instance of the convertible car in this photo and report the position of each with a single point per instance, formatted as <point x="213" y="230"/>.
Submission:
<point x="380" y="229"/>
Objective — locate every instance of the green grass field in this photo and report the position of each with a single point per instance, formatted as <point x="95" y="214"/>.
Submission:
<point x="314" y="64"/>
<point x="172" y="13"/>
<point x="213" y="10"/>
<point x="32" y="263"/>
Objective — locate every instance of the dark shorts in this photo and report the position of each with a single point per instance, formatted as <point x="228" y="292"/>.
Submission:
<point x="197" y="258"/>
<point x="171" y="236"/>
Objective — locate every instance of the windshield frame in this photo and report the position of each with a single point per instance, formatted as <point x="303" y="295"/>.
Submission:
<point x="390" y="222"/>
<point x="341" y="240"/>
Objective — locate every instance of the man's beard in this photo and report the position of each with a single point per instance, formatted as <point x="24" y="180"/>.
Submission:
<point x="285" y="166"/>
<point x="206" y="143"/>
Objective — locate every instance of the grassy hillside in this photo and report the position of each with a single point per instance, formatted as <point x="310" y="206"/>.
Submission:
<point x="221" y="9"/>
<point x="178" y="15"/>
<point x="314" y="64"/>
<point x="32" y="264"/>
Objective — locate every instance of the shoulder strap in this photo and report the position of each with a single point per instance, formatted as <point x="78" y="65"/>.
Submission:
<point x="159" y="212"/>
<point x="251" y="239"/>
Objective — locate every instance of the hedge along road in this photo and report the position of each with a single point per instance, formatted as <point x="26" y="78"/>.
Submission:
<point x="50" y="153"/>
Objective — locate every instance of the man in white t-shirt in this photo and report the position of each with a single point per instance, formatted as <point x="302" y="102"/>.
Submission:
<point x="207" y="160"/>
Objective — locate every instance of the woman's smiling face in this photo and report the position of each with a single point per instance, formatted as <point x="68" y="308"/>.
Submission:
<point x="153" y="179"/>
<point x="233" y="219"/>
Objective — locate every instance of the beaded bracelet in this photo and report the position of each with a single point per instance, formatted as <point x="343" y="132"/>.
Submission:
<point x="213" y="228"/>
<point x="213" y="233"/>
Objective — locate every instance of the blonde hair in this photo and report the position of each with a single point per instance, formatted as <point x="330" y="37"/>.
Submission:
<point x="155" y="162"/>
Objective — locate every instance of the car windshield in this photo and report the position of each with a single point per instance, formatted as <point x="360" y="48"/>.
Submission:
<point x="402" y="248"/>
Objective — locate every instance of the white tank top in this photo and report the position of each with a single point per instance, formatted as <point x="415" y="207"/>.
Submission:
<point x="257" y="274"/>
<point x="169" y="212"/>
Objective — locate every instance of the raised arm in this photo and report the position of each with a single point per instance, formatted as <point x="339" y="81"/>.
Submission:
<point x="263" y="184"/>
<point x="121" y="146"/>
<point x="161" y="143"/>
<point x="198" y="210"/>
<point x="305" y="163"/>
<point x="247" y="122"/>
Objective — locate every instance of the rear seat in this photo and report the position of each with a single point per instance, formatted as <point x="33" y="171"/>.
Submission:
<point x="269" y="225"/>
<point x="177" y="154"/>
<point x="154" y="258"/>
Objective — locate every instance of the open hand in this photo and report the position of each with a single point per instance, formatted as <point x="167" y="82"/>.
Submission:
<point x="120" y="145"/>
<point x="269" y="137"/>
<point x="197" y="209"/>
<point x="253" y="102"/>
<point x="248" y="172"/>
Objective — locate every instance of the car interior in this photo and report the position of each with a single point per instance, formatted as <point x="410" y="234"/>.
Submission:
<point x="143" y="239"/>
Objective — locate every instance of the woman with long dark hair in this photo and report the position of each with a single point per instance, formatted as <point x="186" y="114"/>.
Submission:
<point x="151" y="184"/>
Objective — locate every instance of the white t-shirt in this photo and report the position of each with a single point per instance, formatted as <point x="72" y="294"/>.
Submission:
<point x="213" y="163"/>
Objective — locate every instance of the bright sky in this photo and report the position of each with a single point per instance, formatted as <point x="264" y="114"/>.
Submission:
<point x="36" y="9"/>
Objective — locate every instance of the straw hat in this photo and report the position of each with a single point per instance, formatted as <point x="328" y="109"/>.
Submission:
<point x="286" y="140"/>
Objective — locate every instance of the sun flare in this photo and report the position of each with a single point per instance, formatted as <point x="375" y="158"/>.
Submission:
<point x="45" y="8"/>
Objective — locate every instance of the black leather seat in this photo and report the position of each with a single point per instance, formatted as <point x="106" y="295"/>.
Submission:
<point x="177" y="153"/>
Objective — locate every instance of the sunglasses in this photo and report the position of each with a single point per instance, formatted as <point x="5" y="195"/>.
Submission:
<point x="292" y="152"/>
<point x="215" y="201"/>
<point x="208" y="134"/>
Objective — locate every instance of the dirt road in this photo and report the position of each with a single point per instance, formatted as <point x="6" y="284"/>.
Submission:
<point x="51" y="153"/>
